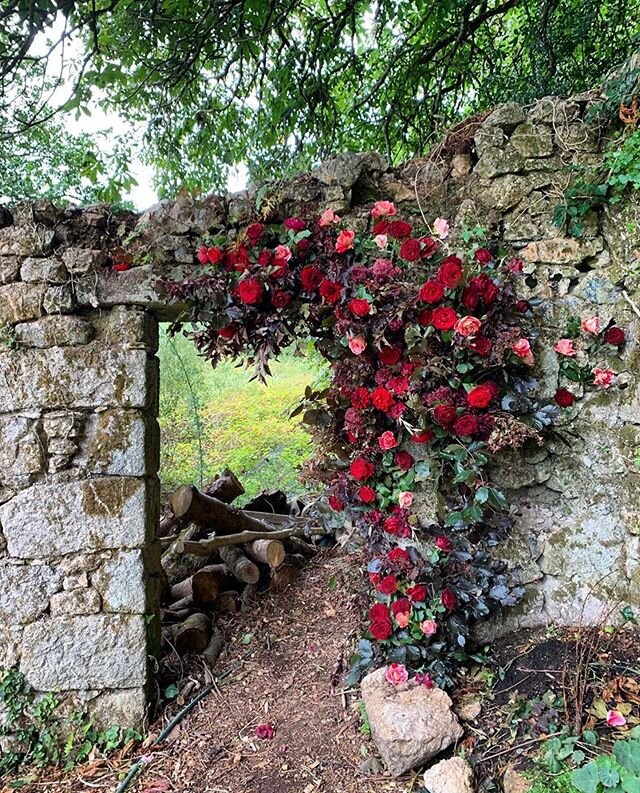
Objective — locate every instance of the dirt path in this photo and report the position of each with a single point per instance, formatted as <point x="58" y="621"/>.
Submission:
<point x="298" y="644"/>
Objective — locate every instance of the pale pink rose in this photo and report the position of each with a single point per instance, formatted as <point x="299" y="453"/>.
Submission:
<point x="387" y="441"/>
<point x="429" y="627"/>
<point x="357" y="345"/>
<point x="467" y="326"/>
<point x="381" y="240"/>
<point x="441" y="227"/>
<point x="522" y="349"/>
<point x="328" y="217"/>
<point x="565" y="347"/>
<point x="603" y="377"/>
<point x="615" y="719"/>
<point x="592" y="325"/>
<point x="396" y="674"/>
<point x="383" y="209"/>
<point x="282" y="252"/>
<point x="402" y="618"/>
<point x="345" y="240"/>
<point x="405" y="499"/>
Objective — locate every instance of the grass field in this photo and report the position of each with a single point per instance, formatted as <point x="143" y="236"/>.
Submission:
<point x="216" y="418"/>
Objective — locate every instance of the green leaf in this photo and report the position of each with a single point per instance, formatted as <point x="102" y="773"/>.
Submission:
<point x="586" y="779"/>
<point x="627" y="753"/>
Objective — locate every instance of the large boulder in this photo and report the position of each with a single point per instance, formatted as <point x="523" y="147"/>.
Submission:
<point x="410" y="723"/>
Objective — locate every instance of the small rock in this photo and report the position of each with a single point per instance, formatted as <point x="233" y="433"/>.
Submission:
<point x="410" y="723"/>
<point x="449" y="776"/>
<point x="506" y="116"/>
<point x="468" y="709"/>
<point x="514" y="782"/>
<point x="460" y="165"/>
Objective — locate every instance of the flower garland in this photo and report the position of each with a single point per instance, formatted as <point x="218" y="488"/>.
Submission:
<point x="431" y="358"/>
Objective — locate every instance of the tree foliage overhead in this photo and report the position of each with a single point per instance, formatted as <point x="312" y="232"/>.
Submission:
<point x="280" y="83"/>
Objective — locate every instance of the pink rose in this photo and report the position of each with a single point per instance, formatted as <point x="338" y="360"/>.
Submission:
<point x="383" y="209"/>
<point x="327" y="218"/>
<point x="396" y="674"/>
<point x="441" y="227"/>
<point x="429" y="627"/>
<point x="402" y="618"/>
<point x="357" y="345"/>
<point x="467" y="326"/>
<point x="405" y="499"/>
<point x="387" y="441"/>
<point x="345" y="240"/>
<point x="615" y="719"/>
<point x="603" y="377"/>
<point x="282" y="252"/>
<point x="565" y="347"/>
<point x="522" y="349"/>
<point x="381" y="240"/>
<point x="592" y="325"/>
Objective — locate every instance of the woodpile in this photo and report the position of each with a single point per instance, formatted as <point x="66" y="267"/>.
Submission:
<point x="216" y="556"/>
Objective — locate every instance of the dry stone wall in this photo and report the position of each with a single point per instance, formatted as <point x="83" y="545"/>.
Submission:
<point x="79" y="452"/>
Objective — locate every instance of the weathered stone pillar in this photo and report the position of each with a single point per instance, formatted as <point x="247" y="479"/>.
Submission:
<point x="79" y="567"/>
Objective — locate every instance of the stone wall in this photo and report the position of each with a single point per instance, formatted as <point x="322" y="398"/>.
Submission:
<point x="78" y="459"/>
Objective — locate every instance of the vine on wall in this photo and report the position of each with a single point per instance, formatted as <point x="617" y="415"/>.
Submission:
<point x="432" y="357"/>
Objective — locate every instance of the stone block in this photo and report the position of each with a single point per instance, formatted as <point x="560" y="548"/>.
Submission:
<point x="577" y="137"/>
<point x="59" y="299"/>
<point x="86" y="376"/>
<point x="50" y="270"/>
<point x="532" y="140"/>
<point x="561" y="250"/>
<point x="26" y="241"/>
<point x="75" y="601"/>
<point x="9" y="269"/>
<point x="84" y="260"/>
<point x="410" y="723"/>
<point x="120" y="443"/>
<point x="554" y="110"/>
<point x="20" y="302"/>
<point x="126" y="708"/>
<point x="25" y="590"/>
<point x="121" y="583"/>
<point x="56" y="330"/>
<point x="85" y="652"/>
<point x="506" y="191"/>
<point x="21" y="451"/>
<point x="489" y="137"/>
<point x="494" y="162"/>
<point x="127" y="325"/>
<point x="507" y="116"/>
<point x="90" y="515"/>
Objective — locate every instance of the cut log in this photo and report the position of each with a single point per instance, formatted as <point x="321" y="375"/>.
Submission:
<point x="225" y="487"/>
<point x="285" y="575"/>
<point x="183" y="603"/>
<point x="176" y="563"/>
<point x="195" y="507"/>
<point x="207" y="583"/>
<point x="193" y="634"/>
<point x="240" y="567"/>
<point x="227" y="602"/>
<point x="269" y="552"/>
<point x="212" y="651"/>
<point x="172" y="616"/>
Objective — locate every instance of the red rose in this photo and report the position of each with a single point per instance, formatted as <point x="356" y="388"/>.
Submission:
<point x="410" y="250"/>
<point x="387" y="585"/>
<point x="465" y="425"/>
<point x="450" y="272"/>
<point x="378" y="612"/>
<point x="422" y="437"/>
<point x="444" y="543"/>
<point x="281" y="299"/>
<point x="417" y="593"/>
<point x="444" y="318"/>
<point x="336" y="504"/>
<point x="489" y="292"/>
<point x="403" y="460"/>
<point x="310" y="278"/>
<point x="367" y="494"/>
<point x="393" y="525"/>
<point x="444" y="415"/>
<point x="361" y="469"/>
<point x="389" y="356"/>
<point x="429" y="247"/>
<point x="471" y="298"/>
<point x="227" y="333"/>
<point x="481" y="345"/>
<point x="401" y="606"/>
<point x="399" y="229"/>
<point x="330" y="291"/>
<point x="202" y="255"/>
<point x="121" y="267"/>
<point x="564" y="398"/>
<point x="425" y="317"/>
<point x="431" y="292"/>
<point x="214" y="255"/>
<point x="523" y="306"/>
<point x="238" y="258"/>
<point x="250" y="291"/>
<point x="254" y="232"/>
<point x="361" y="398"/>
<point x="264" y="258"/>
<point x="381" y="227"/>
<point x="480" y="396"/>
<point x="359" y="307"/>
<point x="381" y="630"/>
<point x="382" y="398"/>
<point x="483" y="256"/>
<point x="399" y="556"/>
<point x="615" y="336"/>
<point x="303" y="247"/>
<point x="448" y="599"/>
<point x="295" y="224"/>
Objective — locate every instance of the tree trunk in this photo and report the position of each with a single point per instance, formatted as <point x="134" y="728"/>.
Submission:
<point x="241" y="567"/>
<point x="269" y="552"/>
<point x="193" y="634"/>
<point x="195" y="507"/>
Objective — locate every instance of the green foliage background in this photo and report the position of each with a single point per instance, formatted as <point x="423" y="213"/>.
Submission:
<point x="216" y="418"/>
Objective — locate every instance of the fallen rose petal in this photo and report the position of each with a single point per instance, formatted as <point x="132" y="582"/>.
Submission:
<point x="615" y="719"/>
<point x="265" y="731"/>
